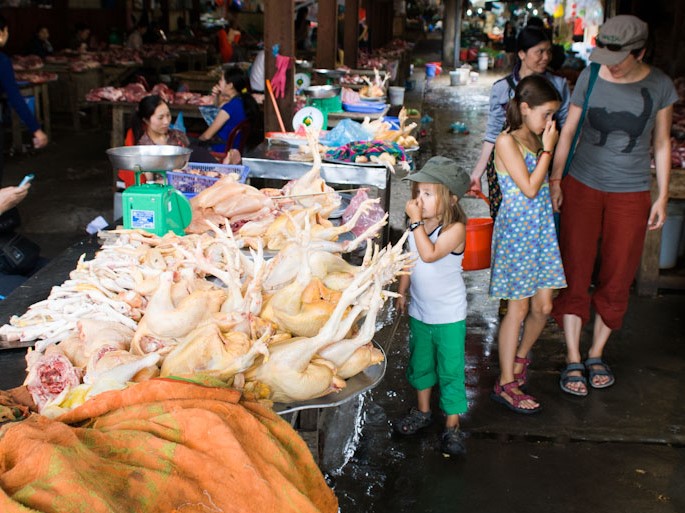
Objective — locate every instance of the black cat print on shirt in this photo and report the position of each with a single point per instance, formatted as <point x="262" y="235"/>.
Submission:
<point x="634" y="125"/>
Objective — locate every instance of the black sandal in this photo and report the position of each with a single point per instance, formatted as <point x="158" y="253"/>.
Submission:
<point x="414" y="421"/>
<point x="603" y="370"/>
<point x="565" y="379"/>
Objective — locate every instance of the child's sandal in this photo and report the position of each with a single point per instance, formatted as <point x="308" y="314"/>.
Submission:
<point x="414" y="421"/>
<point x="516" y="396"/>
<point x="522" y="377"/>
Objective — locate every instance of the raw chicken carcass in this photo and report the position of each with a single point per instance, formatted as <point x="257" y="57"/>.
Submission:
<point x="291" y="371"/>
<point x="209" y="351"/>
<point x="50" y="377"/>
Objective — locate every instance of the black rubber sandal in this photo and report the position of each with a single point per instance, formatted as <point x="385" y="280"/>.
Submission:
<point x="565" y="379"/>
<point x="593" y="372"/>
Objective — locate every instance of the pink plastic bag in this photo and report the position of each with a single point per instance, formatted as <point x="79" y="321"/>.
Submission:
<point x="371" y="216"/>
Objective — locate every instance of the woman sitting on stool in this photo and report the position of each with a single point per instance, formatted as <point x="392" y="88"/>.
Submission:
<point x="236" y="104"/>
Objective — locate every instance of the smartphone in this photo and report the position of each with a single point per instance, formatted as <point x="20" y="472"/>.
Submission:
<point x="27" y="179"/>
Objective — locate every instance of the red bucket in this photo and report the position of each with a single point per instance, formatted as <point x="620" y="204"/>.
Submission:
<point x="478" y="242"/>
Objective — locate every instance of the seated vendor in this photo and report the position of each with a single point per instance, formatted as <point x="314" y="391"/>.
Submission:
<point x="150" y="124"/>
<point x="80" y="40"/>
<point x="135" y="38"/>
<point x="235" y="102"/>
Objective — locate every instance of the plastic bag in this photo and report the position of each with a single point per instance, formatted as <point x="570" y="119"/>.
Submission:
<point x="370" y="217"/>
<point x="346" y="131"/>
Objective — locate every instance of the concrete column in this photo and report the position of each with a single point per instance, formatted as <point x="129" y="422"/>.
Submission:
<point x="327" y="34"/>
<point x="351" y="33"/>
<point x="451" y="25"/>
<point x="279" y="28"/>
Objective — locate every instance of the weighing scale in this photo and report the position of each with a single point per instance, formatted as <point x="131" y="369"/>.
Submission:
<point x="153" y="207"/>
<point x="325" y="98"/>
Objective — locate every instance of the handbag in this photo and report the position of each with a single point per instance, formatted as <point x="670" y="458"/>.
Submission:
<point x="18" y="255"/>
<point x="9" y="220"/>
<point x="594" y="73"/>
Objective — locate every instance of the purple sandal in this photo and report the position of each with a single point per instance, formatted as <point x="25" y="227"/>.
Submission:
<point x="513" y="391"/>
<point x="522" y="377"/>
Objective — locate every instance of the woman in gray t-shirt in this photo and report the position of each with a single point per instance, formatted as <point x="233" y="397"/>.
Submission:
<point x="605" y="200"/>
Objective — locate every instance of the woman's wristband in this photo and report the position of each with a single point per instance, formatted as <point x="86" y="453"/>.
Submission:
<point x="548" y="152"/>
<point x="552" y="180"/>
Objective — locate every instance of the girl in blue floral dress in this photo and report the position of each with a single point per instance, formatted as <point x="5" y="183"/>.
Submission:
<point x="526" y="264"/>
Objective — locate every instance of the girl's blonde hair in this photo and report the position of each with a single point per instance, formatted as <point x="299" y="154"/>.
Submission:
<point x="450" y="209"/>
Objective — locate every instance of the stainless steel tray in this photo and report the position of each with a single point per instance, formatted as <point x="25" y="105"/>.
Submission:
<point x="356" y="385"/>
<point x="149" y="157"/>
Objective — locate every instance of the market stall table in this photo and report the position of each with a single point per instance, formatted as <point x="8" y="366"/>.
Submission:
<point x="649" y="279"/>
<point x="68" y="92"/>
<point x="197" y="81"/>
<point x="122" y="109"/>
<point x="272" y="161"/>
<point x="335" y="117"/>
<point x="117" y="74"/>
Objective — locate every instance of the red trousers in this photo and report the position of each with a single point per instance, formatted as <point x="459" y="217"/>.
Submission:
<point x="613" y="224"/>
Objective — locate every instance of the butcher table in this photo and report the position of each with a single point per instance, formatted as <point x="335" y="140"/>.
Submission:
<point x="272" y="161"/>
<point x="122" y="109"/>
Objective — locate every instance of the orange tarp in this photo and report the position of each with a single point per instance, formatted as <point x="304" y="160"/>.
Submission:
<point x="160" y="446"/>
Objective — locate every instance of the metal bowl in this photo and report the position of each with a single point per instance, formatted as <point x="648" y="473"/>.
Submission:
<point x="149" y="157"/>
<point x="322" y="91"/>
<point x="334" y="74"/>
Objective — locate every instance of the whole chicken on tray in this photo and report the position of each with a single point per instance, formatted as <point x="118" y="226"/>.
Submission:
<point x="291" y="328"/>
<point x="272" y="216"/>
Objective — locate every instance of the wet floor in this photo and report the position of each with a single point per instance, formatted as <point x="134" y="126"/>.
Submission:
<point x="618" y="450"/>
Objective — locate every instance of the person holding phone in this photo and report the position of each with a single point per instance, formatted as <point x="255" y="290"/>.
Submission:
<point x="10" y="197"/>
<point x="9" y="87"/>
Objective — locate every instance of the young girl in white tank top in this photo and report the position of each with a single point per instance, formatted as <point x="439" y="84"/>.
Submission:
<point x="437" y="311"/>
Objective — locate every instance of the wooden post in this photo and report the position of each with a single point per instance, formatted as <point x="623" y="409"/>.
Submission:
<point x="351" y="33"/>
<point x="327" y="34"/>
<point x="451" y="43"/>
<point x="279" y="28"/>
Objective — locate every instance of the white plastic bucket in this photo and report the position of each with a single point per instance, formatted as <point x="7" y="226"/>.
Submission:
<point x="483" y="61"/>
<point x="396" y="94"/>
<point x="464" y="75"/>
<point x="670" y="236"/>
<point x="454" y="78"/>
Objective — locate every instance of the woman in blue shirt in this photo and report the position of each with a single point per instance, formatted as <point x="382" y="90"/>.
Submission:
<point x="534" y="55"/>
<point x="9" y="88"/>
<point x="235" y="102"/>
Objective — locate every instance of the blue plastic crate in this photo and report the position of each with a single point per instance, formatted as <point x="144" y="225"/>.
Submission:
<point x="190" y="184"/>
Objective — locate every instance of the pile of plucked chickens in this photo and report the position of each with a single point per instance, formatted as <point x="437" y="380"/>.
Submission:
<point x="289" y="328"/>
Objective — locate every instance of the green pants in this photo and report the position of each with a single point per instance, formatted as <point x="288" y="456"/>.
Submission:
<point x="437" y="357"/>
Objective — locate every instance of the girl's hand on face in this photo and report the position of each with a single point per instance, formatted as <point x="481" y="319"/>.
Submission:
<point x="550" y="136"/>
<point x="413" y="209"/>
<point x="216" y="90"/>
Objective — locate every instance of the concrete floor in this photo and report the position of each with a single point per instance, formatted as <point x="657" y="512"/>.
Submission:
<point x="618" y="450"/>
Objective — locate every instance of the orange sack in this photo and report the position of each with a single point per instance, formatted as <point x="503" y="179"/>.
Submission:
<point x="163" y="445"/>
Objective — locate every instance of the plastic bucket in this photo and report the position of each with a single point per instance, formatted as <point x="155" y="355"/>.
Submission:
<point x="454" y="78"/>
<point x="670" y="236"/>
<point x="483" y="61"/>
<point x="464" y="75"/>
<point x="478" y="241"/>
<point x="396" y="94"/>
<point x="430" y="70"/>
